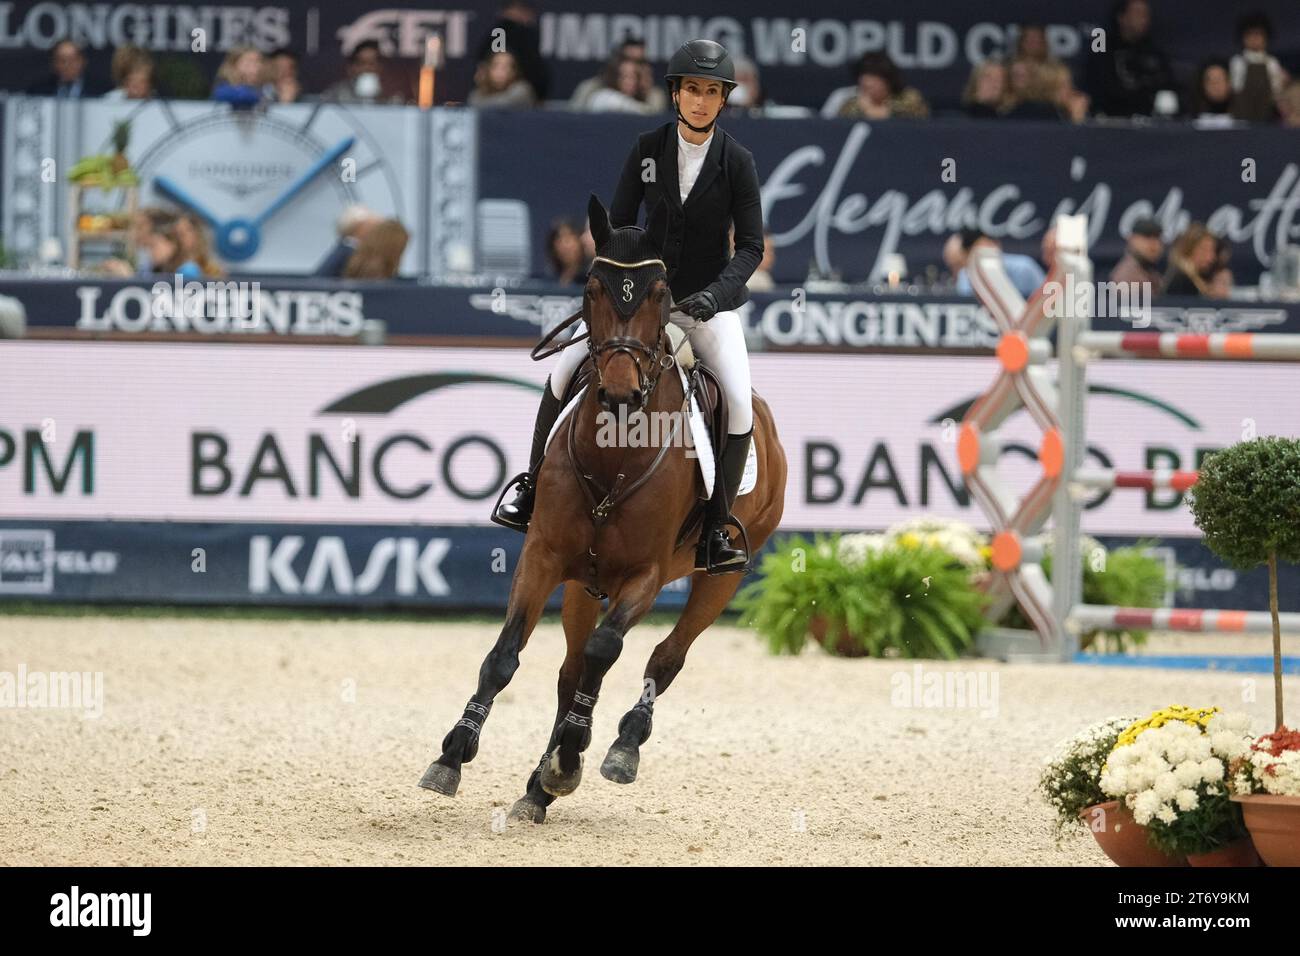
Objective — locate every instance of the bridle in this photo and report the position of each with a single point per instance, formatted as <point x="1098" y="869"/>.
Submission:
<point x="656" y="356"/>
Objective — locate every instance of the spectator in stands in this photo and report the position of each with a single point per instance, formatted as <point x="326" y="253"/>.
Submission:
<point x="363" y="82"/>
<point x="285" y="85"/>
<point x="1219" y="285"/>
<point x="1257" y="77"/>
<point x="1222" y="254"/>
<point x="353" y="223"/>
<point x="498" y="85"/>
<point x="1192" y="261"/>
<point x="750" y="99"/>
<point x="761" y="280"/>
<point x="986" y="94"/>
<point x="564" y="251"/>
<point x="1025" y="274"/>
<point x="1125" y="79"/>
<point x="166" y="256"/>
<point x="1288" y="105"/>
<point x="132" y="71"/>
<point x="881" y="93"/>
<point x="144" y="223"/>
<point x="1028" y="94"/>
<point x="622" y="90"/>
<point x="1142" y="252"/>
<point x="67" y="79"/>
<point x="1044" y="91"/>
<point x="1072" y="105"/>
<point x="379" y="253"/>
<point x="1211" y="99"/>
<point x="195" y="240"/>
<point x="240" y="78"/>
<point x="1031" y="44"/>
<point x="630" y="49"/>
<point x="517" y="22"/>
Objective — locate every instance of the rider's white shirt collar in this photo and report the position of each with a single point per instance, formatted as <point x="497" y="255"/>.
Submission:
<point x="690" y="157"/>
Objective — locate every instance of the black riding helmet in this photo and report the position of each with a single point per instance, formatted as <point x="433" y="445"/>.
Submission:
<point x="707" y="60"/>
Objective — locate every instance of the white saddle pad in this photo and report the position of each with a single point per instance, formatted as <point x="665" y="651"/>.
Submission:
<point x="702" y="444"/>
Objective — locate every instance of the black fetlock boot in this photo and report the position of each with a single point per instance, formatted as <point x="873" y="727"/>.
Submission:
<point x="716" y="553"/>
<point x="517" y="512"/>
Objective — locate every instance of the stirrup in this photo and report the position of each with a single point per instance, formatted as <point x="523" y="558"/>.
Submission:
<point x="527" y="484"/>
<point x="702" y="556"/>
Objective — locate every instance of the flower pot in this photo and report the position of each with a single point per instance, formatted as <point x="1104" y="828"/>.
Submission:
<point x="1274" y="825"/>
<point x="837" y="641"/>
<point x="1238" y="853"/>
<point x="1122" y="838"/>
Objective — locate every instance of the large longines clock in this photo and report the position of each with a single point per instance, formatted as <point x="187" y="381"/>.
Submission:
<point x="271" y="184"/>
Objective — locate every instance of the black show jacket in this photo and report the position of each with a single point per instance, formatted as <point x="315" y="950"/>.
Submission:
<point x="696" y="245"/>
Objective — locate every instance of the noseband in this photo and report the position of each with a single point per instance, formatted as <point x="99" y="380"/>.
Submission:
<point x="628" y="287"/>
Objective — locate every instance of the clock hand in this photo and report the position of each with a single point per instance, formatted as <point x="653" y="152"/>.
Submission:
<point x="164" y="185"/>
<point x="314" y="170"/>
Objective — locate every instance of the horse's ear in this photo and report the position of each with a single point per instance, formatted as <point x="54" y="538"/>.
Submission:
<point x="599" y="219"/>
<point x="656" y="226"/>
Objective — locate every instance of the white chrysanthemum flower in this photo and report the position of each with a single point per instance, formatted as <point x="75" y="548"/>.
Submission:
<point x="1187" y="799"/>
<point x="1211" y="770"/>
<point x="1166" y="814"/>
<point x="1166" y="785"/>
<point x="856" y="548"/>
<point x="1145" y="804"/>
<point x="1188" y="774"/>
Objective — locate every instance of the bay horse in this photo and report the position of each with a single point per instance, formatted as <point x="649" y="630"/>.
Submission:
<point x="626" y="546"/>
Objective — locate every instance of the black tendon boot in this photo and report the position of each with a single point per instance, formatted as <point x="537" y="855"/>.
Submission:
<point x="716" y="553"/>
<point x="517" y="512"/>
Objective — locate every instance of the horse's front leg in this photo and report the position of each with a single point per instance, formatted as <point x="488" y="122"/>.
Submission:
<point x="710" y="594"/>
<point x="536" y="577"/>
<point x="562" y="772"/>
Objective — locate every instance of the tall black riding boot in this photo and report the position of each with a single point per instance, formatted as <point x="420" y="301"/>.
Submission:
<point x="517" y="512"/>
<point x="716" y="554"/>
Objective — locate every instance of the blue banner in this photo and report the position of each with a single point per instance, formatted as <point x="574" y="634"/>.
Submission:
<point x="782" y="319"/>
<point x="373" y="566"/>
<point x="840" y="196"/>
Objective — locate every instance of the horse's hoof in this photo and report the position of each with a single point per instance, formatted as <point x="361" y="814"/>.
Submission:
<point x="555" y="782"/>
<point x="527" y="811"/>
<point x="441" y="779"/>
<point x="620" y="764"/>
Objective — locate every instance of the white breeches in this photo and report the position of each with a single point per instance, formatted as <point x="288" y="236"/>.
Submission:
<point x="720" y="342"/>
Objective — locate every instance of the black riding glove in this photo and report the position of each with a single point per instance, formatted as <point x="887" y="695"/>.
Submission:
<point x="700" y="306"/>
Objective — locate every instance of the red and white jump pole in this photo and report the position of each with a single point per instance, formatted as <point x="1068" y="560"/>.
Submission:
<point x="1077" y="346"/>
<point x="1163" y="479"/>
<point x="1086" y="617"/>
<point x="1177" y="345"/>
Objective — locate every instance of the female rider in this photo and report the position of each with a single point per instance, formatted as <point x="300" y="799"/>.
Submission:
<point x="709" y="182"/>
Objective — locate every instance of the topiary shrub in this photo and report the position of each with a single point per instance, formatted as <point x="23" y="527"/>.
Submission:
<point x="1246" y="501"/>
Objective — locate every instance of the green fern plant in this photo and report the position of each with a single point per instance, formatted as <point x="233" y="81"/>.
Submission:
<point x="898" y="600"/>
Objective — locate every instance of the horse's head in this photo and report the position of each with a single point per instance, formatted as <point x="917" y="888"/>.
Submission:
<point x="626" y="304"/>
